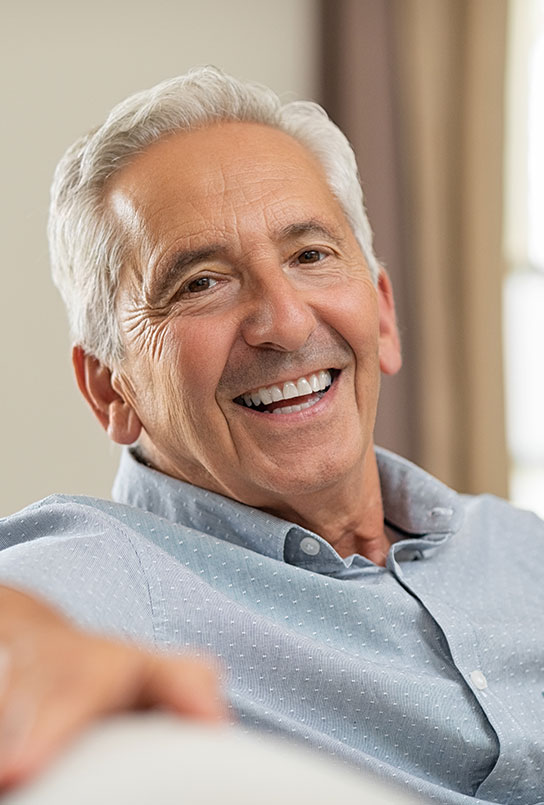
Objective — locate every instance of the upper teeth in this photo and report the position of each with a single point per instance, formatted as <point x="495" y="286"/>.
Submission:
<point x="293" y="388"/>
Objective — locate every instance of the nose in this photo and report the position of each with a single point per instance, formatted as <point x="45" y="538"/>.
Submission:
<point x="278" y="315"/>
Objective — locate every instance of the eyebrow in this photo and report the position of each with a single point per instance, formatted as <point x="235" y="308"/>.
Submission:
<point x="174" y="269"/>
<point x="311" y="227"/>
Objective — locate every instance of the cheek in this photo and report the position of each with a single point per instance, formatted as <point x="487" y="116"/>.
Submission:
<point x="355" y="316"/>
<point x="194" y="359"/>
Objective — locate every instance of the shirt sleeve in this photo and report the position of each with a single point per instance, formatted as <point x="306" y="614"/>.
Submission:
<point x="82" y="562"/>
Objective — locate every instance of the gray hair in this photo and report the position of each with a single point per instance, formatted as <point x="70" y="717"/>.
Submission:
<point x="87" y="249"/>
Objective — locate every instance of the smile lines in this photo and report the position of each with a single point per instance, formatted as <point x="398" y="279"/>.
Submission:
<point x="304" y="386"/>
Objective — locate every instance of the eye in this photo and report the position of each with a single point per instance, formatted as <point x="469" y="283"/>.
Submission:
<point x="200" y="284"/>
<point x="310" y="256"/>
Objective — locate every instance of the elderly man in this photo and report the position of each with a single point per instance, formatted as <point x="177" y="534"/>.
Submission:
<point x="230" y="323"/>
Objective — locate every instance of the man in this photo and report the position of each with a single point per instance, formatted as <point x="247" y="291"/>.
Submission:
<point x="230" y="322"/>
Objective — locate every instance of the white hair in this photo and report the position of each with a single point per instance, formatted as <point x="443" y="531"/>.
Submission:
<point x="87" y="248"/>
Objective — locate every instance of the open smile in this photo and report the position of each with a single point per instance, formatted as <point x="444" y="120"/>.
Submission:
<point x="291" y="396"/>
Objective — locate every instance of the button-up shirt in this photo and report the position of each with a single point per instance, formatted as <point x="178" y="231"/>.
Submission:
<point x="428" y="671"/>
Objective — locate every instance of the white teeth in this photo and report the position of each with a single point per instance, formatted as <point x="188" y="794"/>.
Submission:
<point x="266" y="396"/>
<point x="303" y="387"/>
<point x="291" y="409"/>
<point x="289" y="391"/>
<point x="293" y="388"/>
<point x="324" y="378"/>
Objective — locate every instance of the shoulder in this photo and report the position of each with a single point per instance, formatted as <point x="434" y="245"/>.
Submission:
<point x="56" y="515"/>
<point x="83" y="556"/>
<point x="498" y="516"/>
<point x="503" y="539"/>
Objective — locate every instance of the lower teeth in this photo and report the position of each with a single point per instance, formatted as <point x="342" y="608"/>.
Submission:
<point x="288" y="409"/>
<point x="291" y="409"/>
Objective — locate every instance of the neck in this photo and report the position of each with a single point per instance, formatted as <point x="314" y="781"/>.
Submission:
<point x="349" y="516"/>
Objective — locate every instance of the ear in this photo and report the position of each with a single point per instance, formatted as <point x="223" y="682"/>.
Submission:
<point x="115" y="414"/>
<point x="389" y="344"/>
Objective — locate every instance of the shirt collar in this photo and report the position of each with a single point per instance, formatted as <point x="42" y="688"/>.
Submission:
<point x="139" y="485"/>
<point x="415" y="502"/>
<point x="416" y="505"/>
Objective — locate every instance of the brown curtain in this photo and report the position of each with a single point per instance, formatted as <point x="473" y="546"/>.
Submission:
<point x="418" y="87"/>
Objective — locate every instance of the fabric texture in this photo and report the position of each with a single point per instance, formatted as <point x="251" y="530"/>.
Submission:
<point x="429" y="671"/>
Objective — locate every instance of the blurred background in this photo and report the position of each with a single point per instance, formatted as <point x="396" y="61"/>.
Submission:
<point x="443" y="101"/>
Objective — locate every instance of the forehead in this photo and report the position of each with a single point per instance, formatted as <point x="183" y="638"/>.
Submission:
<point x="219" y="179"/>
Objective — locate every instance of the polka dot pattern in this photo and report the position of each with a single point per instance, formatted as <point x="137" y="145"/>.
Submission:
<point x="429" y="671"/>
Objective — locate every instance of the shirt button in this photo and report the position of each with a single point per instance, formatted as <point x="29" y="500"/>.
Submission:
<point x="478" y="679"/>
<point x="441" y="511"/>
<point x="310" y="546"/>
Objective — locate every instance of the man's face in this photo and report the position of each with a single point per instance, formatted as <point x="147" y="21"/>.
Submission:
<point x="245" y="275"/>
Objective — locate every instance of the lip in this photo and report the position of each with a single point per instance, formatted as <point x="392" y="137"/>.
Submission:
<point x="297" y="417"/>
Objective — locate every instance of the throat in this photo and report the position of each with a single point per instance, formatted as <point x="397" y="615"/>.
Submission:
<point x="375" y="549"/>
<point x="348" y="514"/>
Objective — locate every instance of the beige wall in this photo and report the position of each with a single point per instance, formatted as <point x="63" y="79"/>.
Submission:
<point x="64" y="64"/>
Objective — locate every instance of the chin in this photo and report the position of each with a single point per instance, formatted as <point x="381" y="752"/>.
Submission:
<point x="297" y="481"/>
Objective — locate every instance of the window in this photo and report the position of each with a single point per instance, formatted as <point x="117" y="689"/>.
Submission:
<point x="524" y="250"/>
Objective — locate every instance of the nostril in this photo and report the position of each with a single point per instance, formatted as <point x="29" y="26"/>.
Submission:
<point x="279" y="324"/>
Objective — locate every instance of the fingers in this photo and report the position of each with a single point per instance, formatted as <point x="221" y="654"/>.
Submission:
<point x="107" y="677"/>
<point x="186" y="685"/>
<point x="55" y="679"/>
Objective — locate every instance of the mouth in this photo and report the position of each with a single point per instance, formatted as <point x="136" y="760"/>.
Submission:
<point x="291" y="396"/>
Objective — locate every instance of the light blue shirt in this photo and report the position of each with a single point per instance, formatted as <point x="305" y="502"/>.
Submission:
<point x="429" y="671"/>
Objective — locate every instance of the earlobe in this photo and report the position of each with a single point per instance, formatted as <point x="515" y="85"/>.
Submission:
<point x="113" y="411"/>
<point x="389" y="345"/>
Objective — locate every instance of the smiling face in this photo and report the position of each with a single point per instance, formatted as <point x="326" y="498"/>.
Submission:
<point x="253" y="332"/>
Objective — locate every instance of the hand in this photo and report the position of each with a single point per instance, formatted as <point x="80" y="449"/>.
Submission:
<point x="55" y="678"/>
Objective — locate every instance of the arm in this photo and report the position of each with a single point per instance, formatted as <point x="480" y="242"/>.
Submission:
<point x="55" y="678"/>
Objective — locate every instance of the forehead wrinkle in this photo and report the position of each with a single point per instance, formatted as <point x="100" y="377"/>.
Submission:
<point x="165" y="251"/>
<point x="202" y="240"/>
<point x="242" y="201"/>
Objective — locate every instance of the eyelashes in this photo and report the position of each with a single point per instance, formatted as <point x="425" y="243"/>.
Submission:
<point x="309" y="256"/>
<point x="199" y="284"/>
<point x="208" y="282"/>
